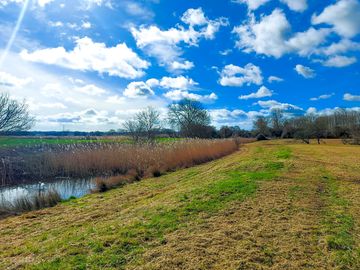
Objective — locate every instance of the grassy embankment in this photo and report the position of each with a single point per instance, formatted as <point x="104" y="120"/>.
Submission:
<point x="272" y="205"/>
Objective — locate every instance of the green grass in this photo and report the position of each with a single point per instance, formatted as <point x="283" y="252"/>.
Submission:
<point x="339" y="225"/>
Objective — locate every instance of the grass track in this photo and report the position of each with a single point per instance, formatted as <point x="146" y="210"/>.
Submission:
<point x="272" y="205"/>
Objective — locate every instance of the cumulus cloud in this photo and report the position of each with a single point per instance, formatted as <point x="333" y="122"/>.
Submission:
<point x="164" y="45"/>
<point x="262" y="92"/>
<point x="187" y="65"/>
<point x="339" y="61"/>
<point x="181" y="82"/>
<point x="120" y="61"/>
<point x="266" y="36"/>
<point x="304" y="71"/>
<point x="177" y="95"/>
<point x="138" y="89"/>
<point x="252" y="4"/>
<point x="10" y="80"/>
<point x="296" y="5"/>
<point x="326" y="96"/>
<point x="343" y="46"/>
<point x="344" y="16"/>
<point x="272" y="79"/>
<point x="273" y="104"/>
<point x="272" y="36"/>
<point x="233" y="75"/>
<point x="350" y="97"/>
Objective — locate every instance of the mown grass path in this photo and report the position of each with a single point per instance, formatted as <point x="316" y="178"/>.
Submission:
<point x="272" y="205"/>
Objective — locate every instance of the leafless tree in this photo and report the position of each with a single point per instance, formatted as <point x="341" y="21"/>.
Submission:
<point x="149" y="121"/>
<point x="189" y="117"/>
<point x="14" y="115"/>
<point x="143" y="125"/>
<point x="261" y="126"/>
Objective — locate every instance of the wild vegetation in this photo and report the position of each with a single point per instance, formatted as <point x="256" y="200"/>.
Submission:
<point x="272" y="205"/>
<point x="107" y="159"/>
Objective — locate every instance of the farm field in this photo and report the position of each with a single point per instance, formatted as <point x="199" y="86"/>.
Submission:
<point x="271" y="205"/>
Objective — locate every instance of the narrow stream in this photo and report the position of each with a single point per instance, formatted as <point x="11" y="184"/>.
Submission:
<point x="65" y="187"/>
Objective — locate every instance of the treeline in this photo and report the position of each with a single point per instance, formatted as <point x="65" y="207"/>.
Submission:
<point x="187" y="118"/>
<point x="342" y="123"/>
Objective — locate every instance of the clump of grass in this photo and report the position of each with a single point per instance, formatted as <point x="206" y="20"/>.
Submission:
<point x="26" y="203"/>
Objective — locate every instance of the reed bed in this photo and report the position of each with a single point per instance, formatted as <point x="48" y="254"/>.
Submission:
<point x="134" y="161"/>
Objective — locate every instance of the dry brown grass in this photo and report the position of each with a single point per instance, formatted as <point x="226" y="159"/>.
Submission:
<point x="136" y="161"/>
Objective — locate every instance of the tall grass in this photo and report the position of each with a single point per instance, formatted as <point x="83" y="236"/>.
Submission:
<point x="109" y="159"/>
<point x="29" y="203"/>
<point x="132" y="162"/>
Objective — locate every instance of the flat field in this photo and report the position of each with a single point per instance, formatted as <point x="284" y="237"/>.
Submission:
<point x="271" y="205"/>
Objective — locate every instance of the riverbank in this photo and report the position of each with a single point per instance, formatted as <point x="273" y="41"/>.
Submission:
<point x="272" y="205"/>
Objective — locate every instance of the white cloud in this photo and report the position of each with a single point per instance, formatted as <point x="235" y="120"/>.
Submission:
<point x="233" y="75"/>
<point x="272" y="79"/>
<point x="181" y="83"/>
<point x="266" y="36"/>
<point x="271" y="36"/>
<point x="262" y="92"/>
<point x="273" y="104"/>
<point x="164" y="45"/>
<point x="221" y="117"/>
<point x="350" y="97"/>
<point x="177" y="95"/>
<point x="120" y="61"/>
<point x="305" y="43"/>
<point x="344" y="16"/>
<point x="225" y="52"/>
<point x="343" y="46"/>
<point x="91" y="90"/>
<point x="187" y="65"/>
<point x="304" y="71"/>
<point x="194" y="17"/>
<point x="58" y="100"/>
<point x="88" y="4"/>
<point x="56" y="24"/>
<point x="339" y="61"/>
<point x="252" y="4"/>
<point x="138" y="89"/>
<point x="296" y="5"/>
<point x="311" y="110"/>
<point x="10" y="80"/>
<point x="326" y="96"/>
<point x="86" y="25"/>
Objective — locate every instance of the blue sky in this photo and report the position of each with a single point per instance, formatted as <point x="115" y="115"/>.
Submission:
<point x="92" y="64"/>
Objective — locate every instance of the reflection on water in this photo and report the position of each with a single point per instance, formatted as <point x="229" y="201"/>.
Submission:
<point x="65" y="187"/>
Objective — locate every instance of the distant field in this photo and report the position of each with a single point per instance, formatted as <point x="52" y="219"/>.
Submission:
<point x="32" y="141"/>
<point x="272" y="205"/>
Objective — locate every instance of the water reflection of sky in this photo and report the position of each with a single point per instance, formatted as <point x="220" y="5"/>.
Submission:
<point x="65" y="187"/>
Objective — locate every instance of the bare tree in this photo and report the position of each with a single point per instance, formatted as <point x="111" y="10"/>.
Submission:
<point x="14" y="115"/>
<point x="261" y="126"/>
<point x="277" y="122"/>
<point x="149" y="121"/>
<point x="144" y="124"/>
<point x="189" y="117"/>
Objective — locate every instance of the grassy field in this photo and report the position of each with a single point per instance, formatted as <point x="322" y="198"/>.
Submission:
<point x="272" y="205"/>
